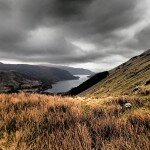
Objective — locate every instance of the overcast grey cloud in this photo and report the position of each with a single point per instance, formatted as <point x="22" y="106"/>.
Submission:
<point x="74" y="32"/>
<point x="141" y="39"/>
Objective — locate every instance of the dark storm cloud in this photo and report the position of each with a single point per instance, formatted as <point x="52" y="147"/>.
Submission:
<point x="4" y="6"/>
<point x="44" y="30"/>
<point x="141" y="39"/>
<point x="103" y="16"/>
<point x="49" y="58"/>
<point x="82" y="16"/>
<point x="51" y="12"/>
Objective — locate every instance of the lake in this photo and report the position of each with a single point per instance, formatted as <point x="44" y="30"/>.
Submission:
<point x="65" y="86"/>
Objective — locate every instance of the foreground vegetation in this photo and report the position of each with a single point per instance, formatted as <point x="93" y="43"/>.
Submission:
<point x="40" y="122"/>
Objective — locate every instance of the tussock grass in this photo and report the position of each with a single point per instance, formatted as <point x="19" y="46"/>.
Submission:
<point x="37" y="122"/>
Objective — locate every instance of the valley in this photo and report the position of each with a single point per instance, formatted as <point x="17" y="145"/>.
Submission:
<point x="74" y="75"/>
<point x="110" y="110"/>
<point x="44" y="77"/>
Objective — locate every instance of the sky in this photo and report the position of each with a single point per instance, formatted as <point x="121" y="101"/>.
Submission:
<point x="92" y="34"/>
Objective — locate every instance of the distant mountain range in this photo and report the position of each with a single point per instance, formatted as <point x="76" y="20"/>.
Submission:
<point x="15" y="76"/>
<point x="72" y="70"/>
<point x="132" y="77"/>
<point x="45" y="74"/>
<point x="77" y="71"/>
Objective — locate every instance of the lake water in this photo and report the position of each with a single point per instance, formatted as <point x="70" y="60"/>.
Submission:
<point x="64" y="86"/>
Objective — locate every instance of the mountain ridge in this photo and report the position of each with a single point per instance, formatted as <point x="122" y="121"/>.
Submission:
<point x="45" y="74"/>
<point x="77" y="71"/>
<point x="126" y="79"/>
<point x="73" y="70"/>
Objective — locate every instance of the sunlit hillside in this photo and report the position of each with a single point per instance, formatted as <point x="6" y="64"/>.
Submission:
<point x="130" y="78"/>
<point x="40" y="122"/>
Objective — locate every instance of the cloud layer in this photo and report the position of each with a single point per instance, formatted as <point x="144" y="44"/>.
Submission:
<point x="75" y="32"/>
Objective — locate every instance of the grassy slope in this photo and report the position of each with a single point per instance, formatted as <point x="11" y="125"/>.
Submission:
<point x="37" y="122"/>
<point x="128" y="79"/>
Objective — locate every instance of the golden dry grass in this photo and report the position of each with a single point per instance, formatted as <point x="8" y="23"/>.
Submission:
<point x="40" y="122"/>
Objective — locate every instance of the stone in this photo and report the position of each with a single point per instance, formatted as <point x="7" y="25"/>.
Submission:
<point x="127" y="106"/>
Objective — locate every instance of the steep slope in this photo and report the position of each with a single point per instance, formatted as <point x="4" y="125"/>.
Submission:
<point x="132" y="77"/>
<point x="11" y="81"/>
<point x="45" y="74"/>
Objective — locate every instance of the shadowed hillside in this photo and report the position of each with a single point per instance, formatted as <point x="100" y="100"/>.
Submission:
<point x="11" y="81"/>
<point x="132" y="77"/>
<point x="89" y="83"/>
<point x="45" y="74"/>
<point x="76" y="71"/>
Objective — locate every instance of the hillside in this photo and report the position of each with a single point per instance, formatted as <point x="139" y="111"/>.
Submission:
<point x="72" y="70"/>
<point x="98" y="121"/>
<point x="40" y="122"/>
<point x="130" y="78"/>
<point x="88" y="83"/>
<point x="45" y="74"/>
<point x="77" y="71"/>
<point x="11" y="81"/>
